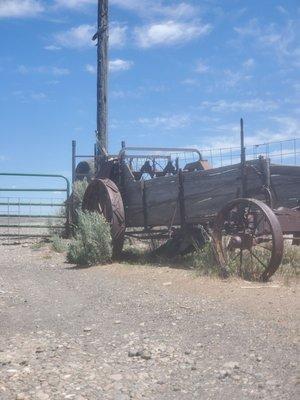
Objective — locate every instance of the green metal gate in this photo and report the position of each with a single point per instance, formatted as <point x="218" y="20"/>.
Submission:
<point x="26" y="212"/>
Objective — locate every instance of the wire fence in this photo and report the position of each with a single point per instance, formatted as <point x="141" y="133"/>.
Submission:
<point x="281" y="152"/>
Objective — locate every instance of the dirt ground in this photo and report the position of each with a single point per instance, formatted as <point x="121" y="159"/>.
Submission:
<point x="141" y="332"/>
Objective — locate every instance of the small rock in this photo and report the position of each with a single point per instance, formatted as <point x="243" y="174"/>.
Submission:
<point x="260" y="386"/>
<point x="21" y="396"/>
<point x="231" y="365"/>
<point x="116" y="377"/>
<point x="272" y="383"/>
<point x="167" y="283"/>
<point x="42" y="396"/>
<point x="135" y="353"/>
<point x="258" y="359"/>
<point x="117" y="322"/>
<point x="5" y="359"/>
<point x="146" y="355"/>
<point x="87" y="329"/>
<point x="223" y="374"/>
<point x="39" y="350"/>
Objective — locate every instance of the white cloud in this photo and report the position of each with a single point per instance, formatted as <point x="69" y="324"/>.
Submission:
<point x="77" y="37"/>
<point x="169" y="122"/>
<point x="114" y="66"/>
<point x="169" y="33"/>
<point x="26" y="97"/>
<point x="80" y="37"/>
<point x="281" y="40"/>
<point x="74" y="4"/>
<point x="190" y="82"/>
<point x="288" y="127"/>
<point x="253" y="105"/>
<point x="38" y="96"/>
<point x="282" y="10"/>
<point x="52" y="47"/>
<point x="56" y="71"/>
<point x="150" y="8"/>
<point x="120" y="65"/>
<point x="91" y="69"/>
<point x="20" y="8"/>
<point x="250" y="63"/>
<point x="201" y="67"/>
<point x="234" y="78"/>
<point x="117" y="34"/>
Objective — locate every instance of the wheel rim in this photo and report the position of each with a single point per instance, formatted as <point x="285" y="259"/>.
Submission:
<point x="249" y="239"/>
<point x="103" y="196"/>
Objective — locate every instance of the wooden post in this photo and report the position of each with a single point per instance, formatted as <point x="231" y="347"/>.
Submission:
<point x="102" y="76"/>
<point x="73" y="160"/>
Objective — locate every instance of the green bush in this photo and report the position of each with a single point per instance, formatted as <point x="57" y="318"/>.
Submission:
<point x="58" y="244"/>
<point x="79" y="188"/>
<point x="92" y="243"/>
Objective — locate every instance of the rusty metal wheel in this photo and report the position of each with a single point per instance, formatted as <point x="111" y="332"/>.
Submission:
<point x="248" y="239"/>
<point x="103" y="196"/>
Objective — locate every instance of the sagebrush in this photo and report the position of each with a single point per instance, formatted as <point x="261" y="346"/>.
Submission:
<point x="92" y="243"/>
<point x="58" y="244"/>
<point x="79" y="188"/>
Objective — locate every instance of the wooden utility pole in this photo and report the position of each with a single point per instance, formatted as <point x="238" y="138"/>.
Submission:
<point x="102" y="76"/>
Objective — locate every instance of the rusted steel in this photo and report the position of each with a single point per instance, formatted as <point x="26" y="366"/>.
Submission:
<point x="248" y="235"/>
<point x="103" y="196"/>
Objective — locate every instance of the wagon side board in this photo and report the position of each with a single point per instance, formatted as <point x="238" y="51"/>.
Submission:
<point x="205" y="193"/>
<point x="285" y="183"/>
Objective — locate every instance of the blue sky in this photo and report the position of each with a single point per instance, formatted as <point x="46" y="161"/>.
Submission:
<point x="182" y="73"/>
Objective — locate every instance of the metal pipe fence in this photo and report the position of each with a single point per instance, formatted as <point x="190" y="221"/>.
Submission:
<point x="22" y="216"/>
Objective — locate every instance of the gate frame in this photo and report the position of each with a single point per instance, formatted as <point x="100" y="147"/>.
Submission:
<point x="65" y="204"/>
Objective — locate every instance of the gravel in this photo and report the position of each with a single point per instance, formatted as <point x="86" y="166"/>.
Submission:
<point x="119" y="332"/>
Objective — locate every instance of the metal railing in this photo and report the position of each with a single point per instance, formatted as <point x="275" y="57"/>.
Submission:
<point x="280" y="152"/>
<point x="23" y="216"/>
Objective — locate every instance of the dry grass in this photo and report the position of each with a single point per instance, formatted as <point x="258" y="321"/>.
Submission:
<point x="204" y="262"/>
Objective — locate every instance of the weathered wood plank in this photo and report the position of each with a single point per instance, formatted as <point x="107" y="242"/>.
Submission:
<point x="205" y="192"/>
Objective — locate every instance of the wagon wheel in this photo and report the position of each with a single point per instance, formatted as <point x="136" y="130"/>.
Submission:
<point x="103" y="196"/>
<point x="248" y="239"/>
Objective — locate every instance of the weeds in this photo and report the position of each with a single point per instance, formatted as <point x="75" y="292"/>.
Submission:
<point x="79" y="188"/>
<point x="290" y="268"/>
<point x="58" y="244"/>
<point x="92" y="243"/>
<point x="204" y="262"/>
<point x="37" y="245"/>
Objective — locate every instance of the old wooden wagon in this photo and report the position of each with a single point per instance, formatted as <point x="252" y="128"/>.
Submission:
<point x="245" y="210"/>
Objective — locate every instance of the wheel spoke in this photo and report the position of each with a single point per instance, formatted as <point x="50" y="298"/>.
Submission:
<point x="236" y="256"/>
<point x="263" y="247"/>
<point x="255" y="256"/>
